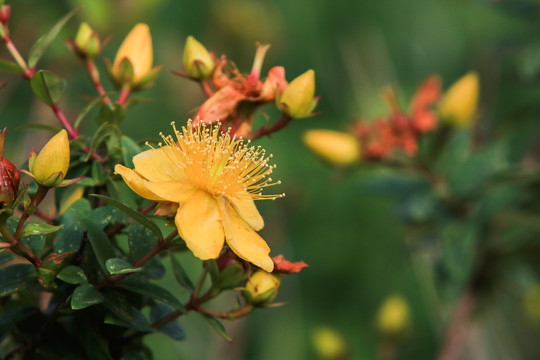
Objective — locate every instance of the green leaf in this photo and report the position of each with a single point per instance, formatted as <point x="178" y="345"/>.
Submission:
<point x="134" y="214"/>
<point x="85" y="296"/>
<point x="87" y="109"/>
<point x="16" y="277"/>
<point x="36" y="243"/>
<point x="6" y="257"/>
<point x="36" y="126"/>
<point x="39" y="228"/>
<point x="48" y="86"/>
<point x="70" y="236"/>
<point x="140" y="242"/>
<point x="171" y="329"/>
<point x="43" y="43"/>
<point x="129" y="149"/>
<point x="101" y="244"/>
<point x="217" y="326"/>
<point x="73" y="275"/>
<point x="213" y="270"/>
<point x="180" y="274"/>
<point x="151" y="290"/>
<point x="231" y="276"/>
<point x="124" y="314"/>
<point x="117" y="266"/>
<point x="104" y="132"/>
<point x="11" y="67"/>
<point x="107" y="215"/>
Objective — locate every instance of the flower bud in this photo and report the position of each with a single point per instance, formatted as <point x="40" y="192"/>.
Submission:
<point x="5" y="11"/>
<point x="393" y="316"/>
<point x="87" y="42"/>
<point x="458" y="106"/>
<point x="9" y="177"/>
<point x="297" y="99"/>
<point x="198" y="62"/>
<point x="337" y="148"/>
<point x="50" y="166"/>
<point x="532" y="303"/>
<point x="262" y="287"/>
<point x="133" y="63"/>
<point x="329" y="344"/>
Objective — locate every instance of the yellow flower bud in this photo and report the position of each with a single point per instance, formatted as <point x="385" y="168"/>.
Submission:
<point x="50" y="166"/>
<point x="297" y="99"/>
<point x="83" y="35"/>
<point x="532" y="303"/>
<point x="328" y="343"/>
<point x="262" y="287"/>
<point x="198" y="62"/>
<point x="458" y="106"/>
<point x="337" y="148"/>
<point x="88" y="44"/>
<point x="133" y="62"/>
<point x="393" y="316"/>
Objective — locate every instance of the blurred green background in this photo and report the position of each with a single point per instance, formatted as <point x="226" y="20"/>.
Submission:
<point x="351" y="237"/>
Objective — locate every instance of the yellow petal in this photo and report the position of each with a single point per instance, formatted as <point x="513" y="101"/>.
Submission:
<point x="155" y="165"/>
<point x="243" y="240"/>
<point x="199" y="224"/>
<point x="245" y="207"/>
<point x="137" y="47"/>
<point x="136" y="182"/>
<point x="174" y="191"/>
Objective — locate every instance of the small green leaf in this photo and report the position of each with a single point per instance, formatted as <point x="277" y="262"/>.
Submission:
<point x="231" y="276"/>
<point x="70" y="236"/>
<point x="124" y="314"/>
<point x="36" y="243"/>
<point x="73" y="275"/>
<point x="85" y="296"/>
<point x="217" y="326"/>
<point x="40" y="228"/>
<point x="151" y="290"/>
<point x="134" y="214"/>
<point x="35" y="126"/>
<point x="180" y="274"/>
<point x="140" y="242"/>
<point x="117" y="266"/>
<point x="213" y="270"/>
<point x="9" y="66"/>
<point x="95" y="345"/>
<point x="87" y="109"/>
<point x="101" y="244"/>
<point x="16" y="277"/>
<point x="6" y="257"/>
<point x="171" y="329"/>
<point x="48" y="86"/>
<point x="129" y="150"/>
<point x="43" y="43"/>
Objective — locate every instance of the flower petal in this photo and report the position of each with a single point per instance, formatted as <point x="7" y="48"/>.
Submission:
<point x="243" y="240"/>
<point x="174" y="191"/>
<point x="245" y="207"/>
<point x="155" y="165"/>
<point x="198" y="223"/>
<point x="136" y="182"/>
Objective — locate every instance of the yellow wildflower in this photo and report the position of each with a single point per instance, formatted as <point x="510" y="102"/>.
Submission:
<point x="215" y="179"/>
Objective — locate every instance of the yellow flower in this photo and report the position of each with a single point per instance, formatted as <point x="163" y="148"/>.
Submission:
<point x="458" y="106"/>
<point x="337" y="148"/>
<point x="215" y="179"/>
<point x="393" y="315"/>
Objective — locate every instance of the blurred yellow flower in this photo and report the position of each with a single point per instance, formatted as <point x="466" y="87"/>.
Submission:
<point x="215" y="179"/>
<point x="335" y="147"/>
<point x="329" y="343"/>
<point x="393" y="315"/>
<point x="458" y="106"/>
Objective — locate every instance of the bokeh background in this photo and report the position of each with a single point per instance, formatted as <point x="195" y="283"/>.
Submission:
<point x="349" y="234"/>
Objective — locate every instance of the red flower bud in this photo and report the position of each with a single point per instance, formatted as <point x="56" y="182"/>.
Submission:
<point x="5" y="11"/>
<point x="9" y="177"/>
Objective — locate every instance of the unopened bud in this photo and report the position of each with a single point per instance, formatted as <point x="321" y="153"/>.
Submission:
<point x="132" y="66"/>
<point x="198" y="62"/>
<point x="9" y="177"/>
<point x="87" y="41"/>
<point x="393" y="316"/>
<point x="532" y="303"/>
<point x="262" y="287"/>
<point x="5" y="11"/>
<point x="458" y="106"/>
<point x="337" y="148"/>
<point x="50" y="166"/>
<point x="297" y="99"/>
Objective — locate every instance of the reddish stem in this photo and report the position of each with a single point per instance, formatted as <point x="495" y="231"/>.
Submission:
<point x="267" y="130"/>
<point x="73" y="133"/>
<point x="94" y="76"/>
<point x="27" y="73"/>
<point x="124" y="94"/>
<point x="207" y="89"/>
